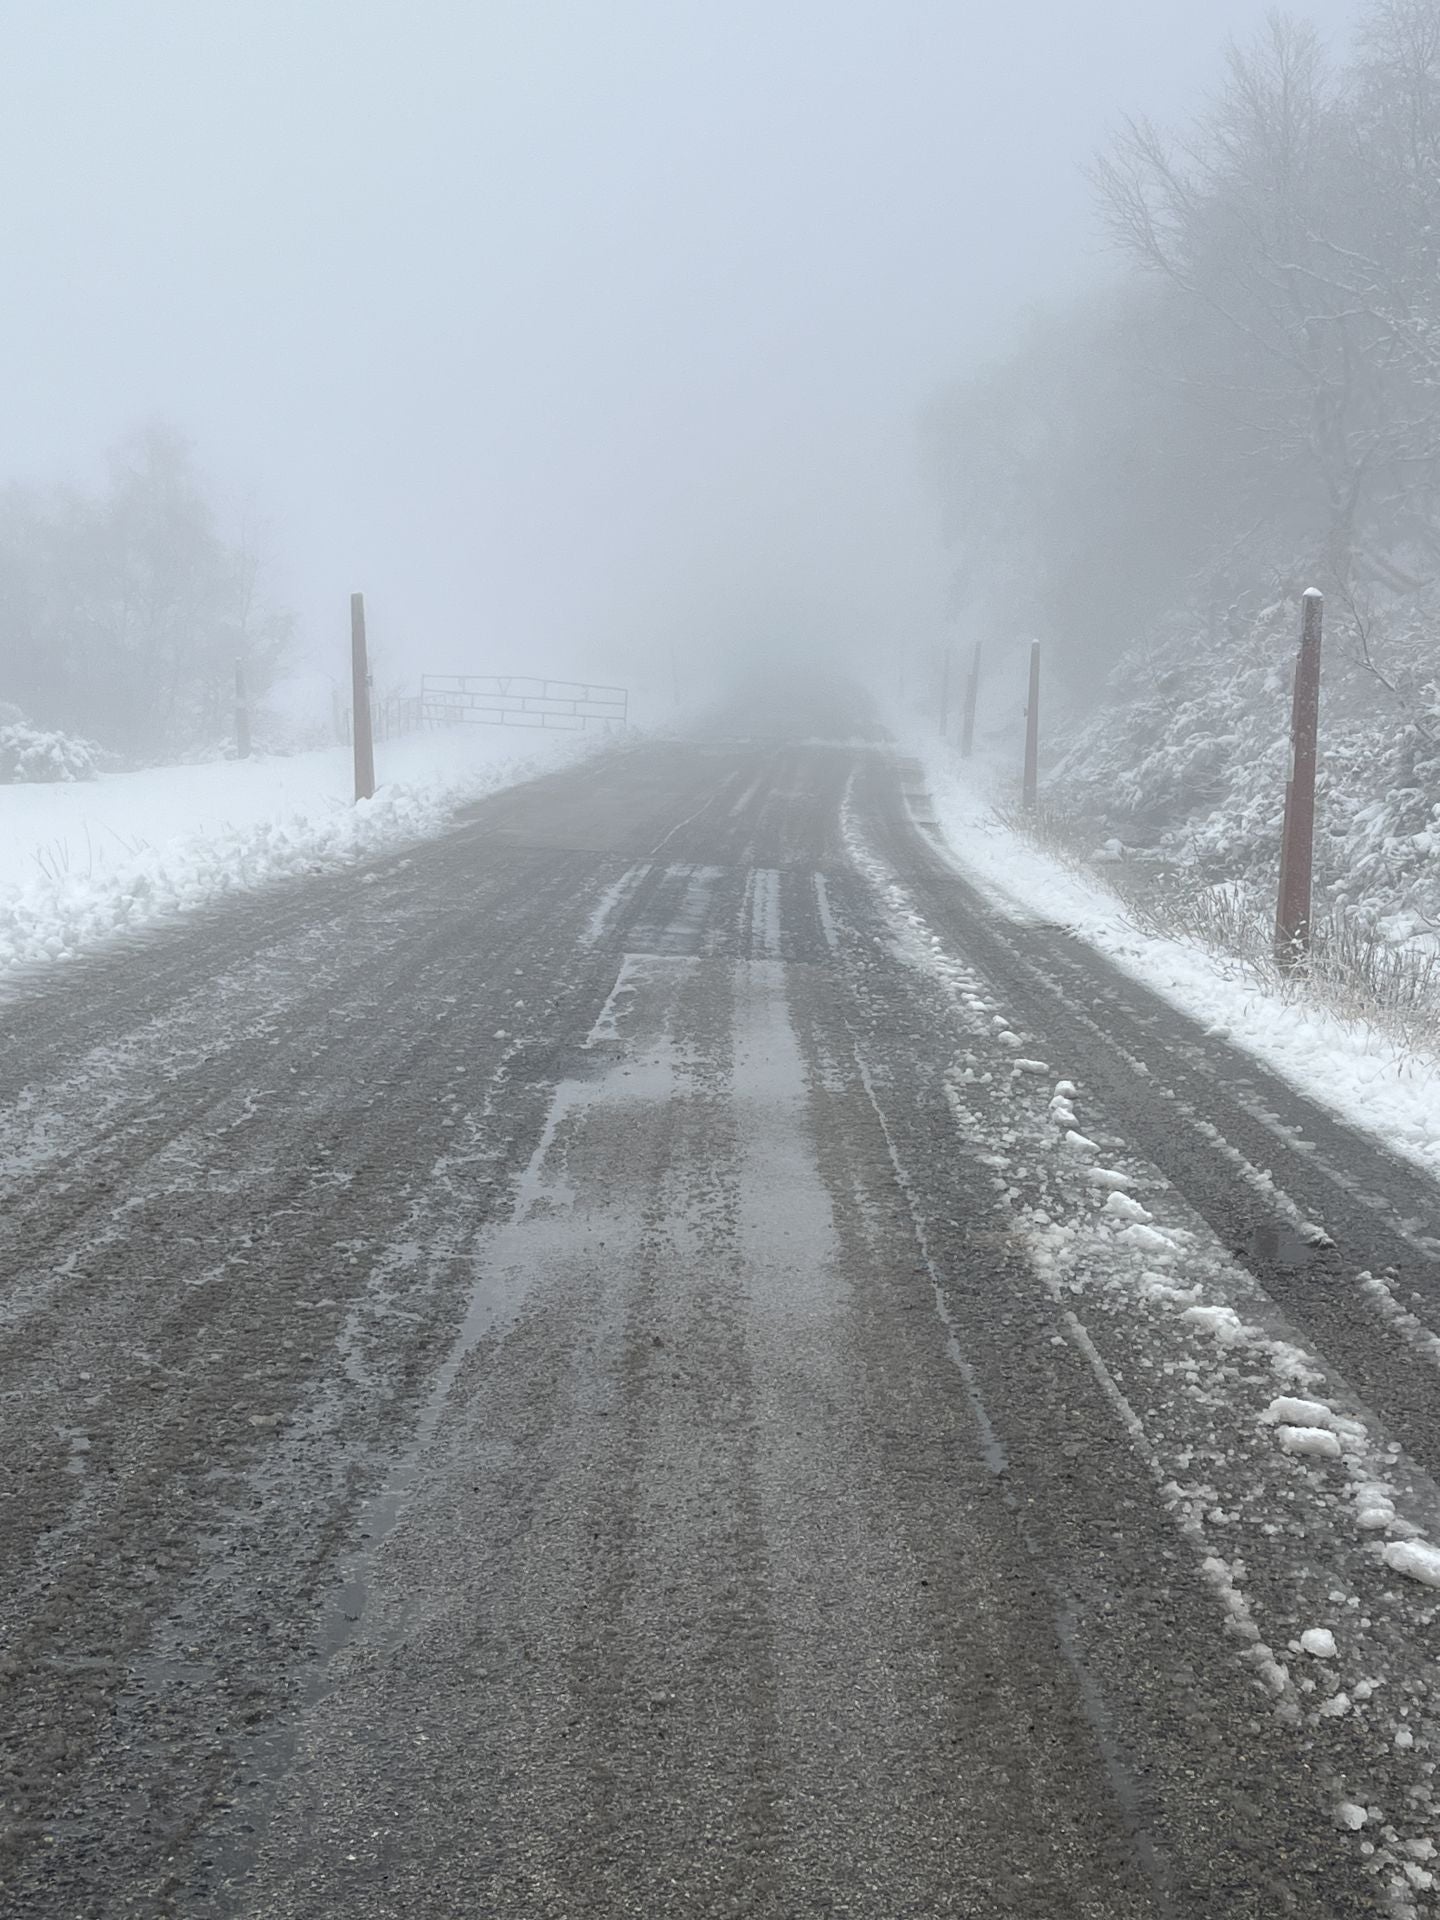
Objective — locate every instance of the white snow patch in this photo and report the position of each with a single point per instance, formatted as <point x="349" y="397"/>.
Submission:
<point x="1375" y="1082"/>
<point x="1121" y="1207"/>
<point x="80" y="862"/>
<point x="1316" y="1442"/>
<point x="1377" y="1294"/>
<point x="1293" y="1415"/>
<point x="1290" y="1412"/>
<point x="1147" y="1239"/>
<point x="1374" y="1506"/>
<point x="1221" y="1323"/>
<point x="1415" y="1558"/>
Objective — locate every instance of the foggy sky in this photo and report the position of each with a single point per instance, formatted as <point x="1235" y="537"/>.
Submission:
<point x="560" y="329"/>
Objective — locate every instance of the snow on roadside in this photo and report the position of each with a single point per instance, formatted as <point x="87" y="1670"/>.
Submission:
<point x="82" y="862"/>
<point x="1371" y="1080"/>
<point x="1308" y="1523"/>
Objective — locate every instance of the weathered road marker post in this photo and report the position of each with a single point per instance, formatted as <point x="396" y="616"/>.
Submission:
<point x="972" y="695"/>
<point x="242" y="714"/>
<point x="1297" y="838"/>
<point x="360" y="724"/>
<point x="1031" y="793"/>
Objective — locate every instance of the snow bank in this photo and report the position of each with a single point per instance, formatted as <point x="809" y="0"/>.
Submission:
<point x="1361" y="1073"/>
<point x="81" y="862"/>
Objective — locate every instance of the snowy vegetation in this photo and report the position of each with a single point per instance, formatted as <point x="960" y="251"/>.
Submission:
<point x="123" y="612"/>
<point x="1152" y="478"/>
<point x="1193" y="766"/>
<point x="30" y="754"/>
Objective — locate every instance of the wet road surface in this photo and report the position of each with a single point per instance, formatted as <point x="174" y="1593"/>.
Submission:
<point x="576" y="1372"/>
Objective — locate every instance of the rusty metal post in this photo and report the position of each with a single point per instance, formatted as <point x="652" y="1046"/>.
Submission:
<point x="360" y="714"/>
<point x="1297" y="838"/>
<point x="972" y="695"/>
<point x="1031" y="792"/>
<point x="945" y="694"/>
<point x="242" y="713"/>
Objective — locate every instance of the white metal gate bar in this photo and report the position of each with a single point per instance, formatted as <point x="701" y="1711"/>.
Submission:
<point x="521" y="700"/>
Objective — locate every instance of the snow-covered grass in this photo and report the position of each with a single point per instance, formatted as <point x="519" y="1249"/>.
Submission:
<point x="1186" y="757"/>
<point x="81" y="862"/>
<point x="1357" y="1066"/>
<point x="1354" y="970"/>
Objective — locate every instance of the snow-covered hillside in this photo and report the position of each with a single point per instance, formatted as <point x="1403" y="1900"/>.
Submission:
<point x="1187" y="757"/>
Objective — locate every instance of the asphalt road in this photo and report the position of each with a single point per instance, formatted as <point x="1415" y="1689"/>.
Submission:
<point x="518" y="1398"/>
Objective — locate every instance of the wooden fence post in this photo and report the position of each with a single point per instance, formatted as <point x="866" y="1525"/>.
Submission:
<point x="242" y="713"/>
<point x="1297" y="837"/>
<point x="972" y="695"/>
<point x="360" y="719"/>
<point x="1031" y="792"/>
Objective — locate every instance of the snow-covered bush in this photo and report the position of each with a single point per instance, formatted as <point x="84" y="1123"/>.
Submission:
<point x="30" y="754"/>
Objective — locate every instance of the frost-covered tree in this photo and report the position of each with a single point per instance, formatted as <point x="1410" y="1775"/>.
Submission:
<point x="1151" y="477"/>
<point x="124" y="611"/>
<point x="1257" y="402"/>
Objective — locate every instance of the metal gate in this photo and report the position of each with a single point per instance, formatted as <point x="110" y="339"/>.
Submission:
<point x="521" y="700"/>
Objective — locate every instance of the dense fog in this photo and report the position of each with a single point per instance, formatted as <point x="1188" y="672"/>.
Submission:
<point x="1253" y="406"/>
<point x="605" y="338"/>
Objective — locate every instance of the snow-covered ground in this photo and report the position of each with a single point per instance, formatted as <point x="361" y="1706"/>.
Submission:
<point x="1360" y="1072"/>
<point x="81" y="862"/>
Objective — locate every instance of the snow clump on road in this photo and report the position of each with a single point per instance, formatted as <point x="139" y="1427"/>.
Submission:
<point x="1415" y="1558"/>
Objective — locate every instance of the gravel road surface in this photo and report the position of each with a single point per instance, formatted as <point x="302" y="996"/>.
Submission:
<point x="662" y="1355"/>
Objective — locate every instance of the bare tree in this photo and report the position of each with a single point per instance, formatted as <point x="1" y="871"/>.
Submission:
<point x="1260" y="402"/>
<point x="122" y="613"/>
